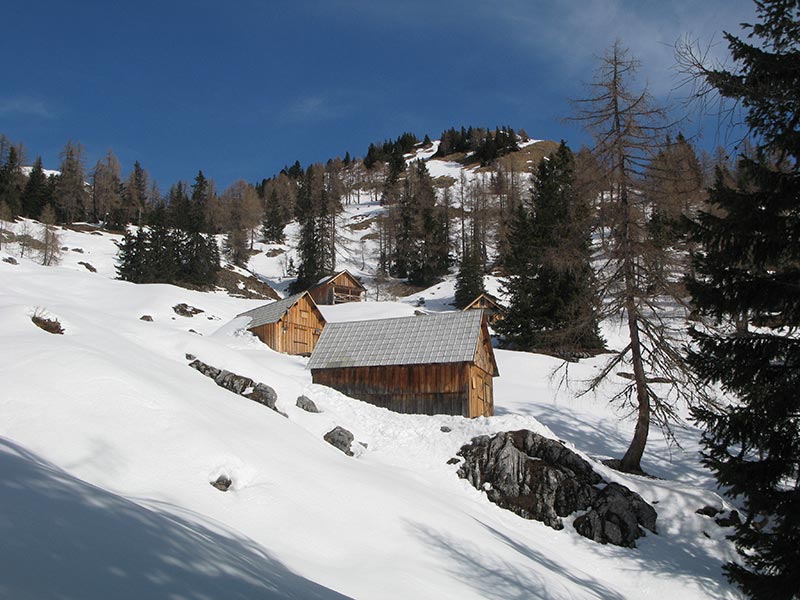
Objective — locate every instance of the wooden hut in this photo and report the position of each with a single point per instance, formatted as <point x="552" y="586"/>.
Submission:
<point x="425" y="364"/>
<point x="292" y="325"/>
<point x="342" y="287"/>
<point x="491" y="307"/>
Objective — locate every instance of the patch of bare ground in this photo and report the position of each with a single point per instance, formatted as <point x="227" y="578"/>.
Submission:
<point x="241" y="286"/>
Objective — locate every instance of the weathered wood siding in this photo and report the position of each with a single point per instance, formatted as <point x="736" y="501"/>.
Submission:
<point x="297" y="332"/>
<point x="416" y="389"/>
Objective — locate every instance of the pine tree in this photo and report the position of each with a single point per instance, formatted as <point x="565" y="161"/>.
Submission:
<point x="637" y="275"/>
<point x="273" y="225"/>
<point x="37" y="192"/>
<point x="553" y="305"/>
<point x="72" y="198"/>
<point x="747" y="279"/>
<point x="12" y="180"/>
<point x="469" y="281"/>
<point x="313" y="246"/>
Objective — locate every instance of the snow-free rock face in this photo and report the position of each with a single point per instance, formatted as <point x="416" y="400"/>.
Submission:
<point x="307" y="404"/>
<point x="238" y="384"/>
<point x="340" y="438"/>
<point x="539" y="478"/>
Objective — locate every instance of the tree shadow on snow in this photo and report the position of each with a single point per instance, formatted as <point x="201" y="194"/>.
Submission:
<point x="602" y="438"/>
<point x="64" y="538"/>
<point x="494" y="577"/>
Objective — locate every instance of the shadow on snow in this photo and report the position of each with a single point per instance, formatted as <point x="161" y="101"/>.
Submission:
<point x="64" y="538"/>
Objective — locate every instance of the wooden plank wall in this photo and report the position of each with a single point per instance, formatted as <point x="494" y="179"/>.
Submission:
<point x="415" y="389"/>
<point x="297" y="332"/>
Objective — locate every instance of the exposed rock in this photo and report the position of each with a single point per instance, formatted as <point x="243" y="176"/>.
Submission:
<point x="615" y="516"/>
<point x="64" y="248"/>
<point x="89" y="267"/>
<point x="708" y="511"/>
<point x="147" y="318"/>
<point x="195" y="332"/>
<point x="729" y="521"/>
<point x="340" y="438"/>
<point x="539" y="478"/>
<point x="454" y="461"/>
<point x="445" y="429"/>
<point x="184" y="310"/>
<point x="205" y="369"/>
<point x="238" y="384"/>
<point x="10" y="260"/>
<point x="78" y="250"/>
<point x="307" y="404"/>
<point x="233" y="382"/>
<point x="263" y="394"/>
<point x="222" y="483"/>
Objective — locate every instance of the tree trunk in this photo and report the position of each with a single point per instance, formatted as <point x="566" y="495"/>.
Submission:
<point x="631" y="462"/>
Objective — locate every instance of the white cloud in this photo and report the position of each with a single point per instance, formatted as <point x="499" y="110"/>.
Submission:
<point x="572" y="33"/>
<point x="25" y="106"/>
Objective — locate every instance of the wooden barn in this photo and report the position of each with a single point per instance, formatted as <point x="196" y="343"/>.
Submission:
<point x="491" y="307"/>
<point x="292" y="325"/>
<point x="425" y="364"/>
<point x="342" y="287"/>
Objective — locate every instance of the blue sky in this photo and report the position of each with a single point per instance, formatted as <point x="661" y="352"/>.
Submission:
<point x="241" y="88"/>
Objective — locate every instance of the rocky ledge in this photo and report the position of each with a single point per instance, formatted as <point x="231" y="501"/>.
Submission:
<point x="539" y="478"/>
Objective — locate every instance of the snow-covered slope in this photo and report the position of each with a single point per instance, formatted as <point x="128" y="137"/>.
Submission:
<point x="108" y="442"/>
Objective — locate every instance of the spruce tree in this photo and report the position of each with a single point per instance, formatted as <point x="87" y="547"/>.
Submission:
<point x="553" y="303"/>
<point x="469" y="281"/>
<point x="747" y="279"/>
<point x="37" y="192"/>
<point x="273" y="225"/>
<point x="12" y="181"/>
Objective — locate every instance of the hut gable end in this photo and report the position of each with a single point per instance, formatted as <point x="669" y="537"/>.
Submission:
<point x="292" y="325"/>
<point x="338" y="288"/>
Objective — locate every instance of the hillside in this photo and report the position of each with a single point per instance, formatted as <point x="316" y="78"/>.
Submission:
<point x="110" y="441"/>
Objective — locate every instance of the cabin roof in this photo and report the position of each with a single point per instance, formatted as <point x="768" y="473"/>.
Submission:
<point x="330" y="278"/>
<point x="270" y="313"/>
<point x="423" y="339"/>
<point x="492" y="299"/>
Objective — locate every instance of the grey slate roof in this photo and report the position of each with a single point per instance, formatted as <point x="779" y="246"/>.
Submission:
<point x="270" y="313"/>
<point x="423" y="339"/>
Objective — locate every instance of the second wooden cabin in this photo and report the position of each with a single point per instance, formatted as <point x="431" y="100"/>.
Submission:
<point x="425" y="364"/>
<point x="339" y="288"/>
<point x="292" y="325"/>
<point x="492" y="309"/>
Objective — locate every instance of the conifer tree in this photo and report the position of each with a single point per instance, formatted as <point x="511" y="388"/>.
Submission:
<point x="636" y="277"/>
<point x="12" y="180"/>
<point x="469" y="281"/>
<point x="312" y="210"/>
<point x="37" y="192"/>
<point x="747" y="279"/>
<point x="72" y="198"/>
<point x="553" y="306"/>
<point x="273" y="225"/>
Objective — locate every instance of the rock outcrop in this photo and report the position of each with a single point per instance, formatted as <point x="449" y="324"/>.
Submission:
<point x="238" y="384"/>
<point x="307" y="404"/>
<point x="539" y="478"/>
<point x="184" y="310"/>
<point x="340" y="438"/>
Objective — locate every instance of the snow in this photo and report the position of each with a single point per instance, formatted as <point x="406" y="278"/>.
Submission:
<point x="109" y="440"/>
